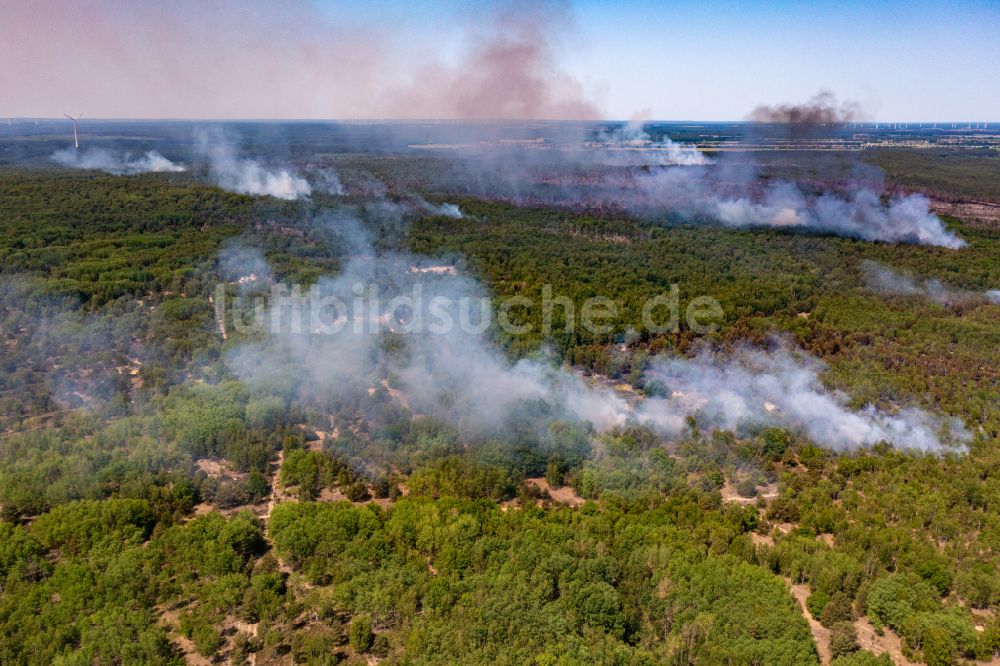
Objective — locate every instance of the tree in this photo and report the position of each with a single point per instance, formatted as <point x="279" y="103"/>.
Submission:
<point x="361" y="635"/>
<point x="838" y="609"/>
<point x="554" y="474"/>
<point x="939" y="648"/>
<point x="357" y="492"/>
<point x="843" y="639"/>
<point x="380" y="487"/>
<point x="600" y="605"/>
<point x="257" y="487"/>
<point x="936" y="574"/>
<point x="315" y="646"/>
<point x="265" y="413"/>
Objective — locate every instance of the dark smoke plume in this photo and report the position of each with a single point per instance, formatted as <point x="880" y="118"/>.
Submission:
<point x="821" y="109"/>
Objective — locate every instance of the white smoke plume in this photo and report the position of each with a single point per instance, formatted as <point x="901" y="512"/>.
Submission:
<point x="887" y="281"/>
<point x="443" y="209"/>
<point x="244" y="266"/>
<point x="104" y="160"/>
<point x="443" y="364"/>
<point x="624" y="170"/>
<point x="412" y="204"/>
<point x="862" y="215"/>
<point x="448" y="210"/>
<point x="327" y="181"/>
<point x="755" y="388"/>
<point x="632" y="145"/>
<point x="247" y="176"/>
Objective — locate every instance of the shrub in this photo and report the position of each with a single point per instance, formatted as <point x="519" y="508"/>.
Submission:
<point x="862" y="658"/>
<point x="357" y="492"/>
<point x="380" y="647"/>
<point x="816" y="602"/>
<point x="257" y="486"/>
<point x="362" y="637"/>
<point x="776" y="443"/>
<point x="314" y="646"/>
<point x="207" y="639"/>
<point x="746" y="488"/>
<point x="381" y="487"/>
<point x="783" y="510"/>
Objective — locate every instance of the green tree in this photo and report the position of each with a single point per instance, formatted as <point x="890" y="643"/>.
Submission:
<point x="361" y="635"/>
<point x="843" y="639"/>
<point x="938" y="647"/>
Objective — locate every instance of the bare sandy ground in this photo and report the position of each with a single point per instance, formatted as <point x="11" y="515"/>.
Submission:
<point x="729" y="493"/>
<point x="563" y="495"/>
<point x="888" y="642"/>
<point x="821" y="635"/>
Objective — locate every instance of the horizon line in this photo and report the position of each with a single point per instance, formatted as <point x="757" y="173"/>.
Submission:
<point x="473" y="121"/>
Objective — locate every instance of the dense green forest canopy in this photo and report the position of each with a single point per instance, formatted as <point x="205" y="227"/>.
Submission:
<point x="156" y="507"/>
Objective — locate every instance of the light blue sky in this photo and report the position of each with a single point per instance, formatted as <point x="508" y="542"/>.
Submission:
<point x="901" y="60"/>
<point x="905" y="61"/>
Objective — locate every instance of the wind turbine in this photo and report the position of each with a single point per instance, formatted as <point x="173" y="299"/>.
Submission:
<point x="76" y="140"/>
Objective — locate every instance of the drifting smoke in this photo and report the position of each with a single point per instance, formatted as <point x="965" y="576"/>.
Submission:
<point x="755" y="388"/>
<point x="244" y="266"/>
<point x="408" y="204"/>
<point x="449" y="210"/>
<point x="887" y="281"/>
<point x="247" y="176"/>
<point x="103" y="160"/>
<point x="509" y="71"/>
<point x="295" y="59"/>
<point x="821" y="109"/>
<point x="863" y="215"/>
<point x="440" y="362"/>
<point x="83" y="353"/>
<point x="632" y="145"/>
<point x="678" y="180"/>
<point x="326" y="181"/>
<point x="444" y="209"/>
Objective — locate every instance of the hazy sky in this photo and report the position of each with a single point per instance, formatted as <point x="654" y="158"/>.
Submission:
<point x="905" y="61"/>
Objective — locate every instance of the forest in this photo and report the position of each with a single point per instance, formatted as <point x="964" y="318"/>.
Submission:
<point x="162" y="503"/>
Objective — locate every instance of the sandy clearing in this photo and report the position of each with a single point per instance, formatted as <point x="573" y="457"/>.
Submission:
<point x="729" y="494"/>
<point x="888" y="642"/>
<point x="821" y="635"/>
<point x="564" y="495"/>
